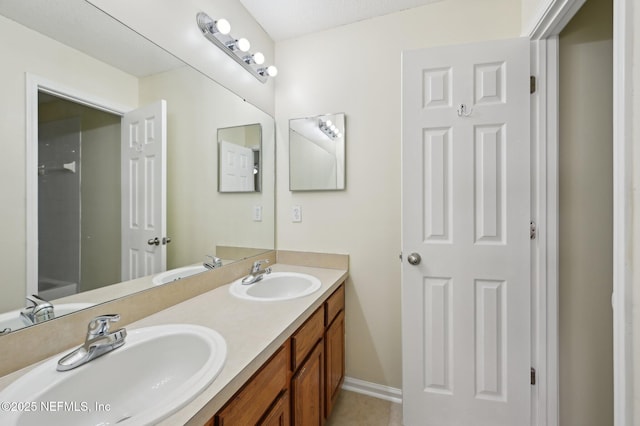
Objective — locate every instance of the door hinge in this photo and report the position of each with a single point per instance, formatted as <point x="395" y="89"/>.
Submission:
<point x="533" y="231"/>
<point x="533" y="376"/>
<point x="532" y="84"/>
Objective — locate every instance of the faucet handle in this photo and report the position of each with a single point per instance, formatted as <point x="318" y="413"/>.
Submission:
<point x="257" y="264"/>
<point x="99" y="326"/>
<point x="35" y="300"/>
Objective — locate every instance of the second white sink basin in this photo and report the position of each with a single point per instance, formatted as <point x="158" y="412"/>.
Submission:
<point x="177" y="274"/>
<point x="157" y="371"/>
<point x="277" y="286"/>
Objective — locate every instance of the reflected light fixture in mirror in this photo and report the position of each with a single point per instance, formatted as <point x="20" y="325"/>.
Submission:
<point x="329" y="129"/>
<point x="218" y="32"/>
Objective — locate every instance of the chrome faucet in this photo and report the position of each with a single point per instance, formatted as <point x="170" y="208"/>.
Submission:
<point x="213" y="262"/>
<point x="40" y="310"/>
<point x="256" y="273"/>
<point x="97" y="343"/>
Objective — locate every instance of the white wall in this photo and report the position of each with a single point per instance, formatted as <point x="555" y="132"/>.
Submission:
<point x="531" y="12"/>
<point x="184" y="39"/>
<point x="25" y="51"/>
<point x="634" y="254"/>
<point x="356" y="69"/>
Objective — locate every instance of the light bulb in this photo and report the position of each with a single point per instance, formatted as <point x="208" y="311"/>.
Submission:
<point x="243" y="44"/>
<point x="222" y="26"/>
<point x="333" y="128"/>
<point x="328" y="123"/>
<point x="258" y="58"/>
<point x="272" y="71"/>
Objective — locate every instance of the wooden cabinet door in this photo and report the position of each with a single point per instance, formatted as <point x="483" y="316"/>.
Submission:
<point x="256" y="397"/>
<point x="334" y="353"/>
<point x="278" y="415"/>
<point x="307" y="390"/>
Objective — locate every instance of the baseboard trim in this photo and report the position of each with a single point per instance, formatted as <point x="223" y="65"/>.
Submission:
<point x="373" y="389"/>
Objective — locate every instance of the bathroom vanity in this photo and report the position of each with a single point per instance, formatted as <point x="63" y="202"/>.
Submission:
<point x="300" y="382"/>
<point x="284" y="360"/>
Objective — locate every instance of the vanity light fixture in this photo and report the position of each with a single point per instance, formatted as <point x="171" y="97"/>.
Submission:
<point x="221" y="26"/>
<point x="242" y="44"/>
<point x="217" y="32"/>
<point x="329" y="129"/>
<point x="270" y="71"/>
<point x="257" y="58"/>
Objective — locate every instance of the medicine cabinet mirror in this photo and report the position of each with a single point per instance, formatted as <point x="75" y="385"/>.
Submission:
<point x="317" y="153"/>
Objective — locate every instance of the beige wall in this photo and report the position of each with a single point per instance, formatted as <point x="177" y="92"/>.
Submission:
<point x="30" y="52"/>
<point x="586" y="217"/>
<point x="356" y="69"/>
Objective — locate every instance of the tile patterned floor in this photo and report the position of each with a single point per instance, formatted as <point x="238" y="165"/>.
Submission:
<point x="354" y="409"/>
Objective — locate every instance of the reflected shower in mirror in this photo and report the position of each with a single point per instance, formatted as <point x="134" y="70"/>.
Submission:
<point x="239" y="159"/>
<point x="317" y="153"/>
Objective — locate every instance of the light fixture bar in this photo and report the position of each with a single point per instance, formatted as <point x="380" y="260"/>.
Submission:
<point x="229" y="45"/>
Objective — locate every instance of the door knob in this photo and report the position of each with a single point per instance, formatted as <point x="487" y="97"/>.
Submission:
<point x="414" y="259"/>
<point x="154" y="241"/>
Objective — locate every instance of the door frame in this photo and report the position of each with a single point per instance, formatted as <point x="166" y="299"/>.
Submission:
<point x="544" y="141"/>
<point x="35" y="84"/>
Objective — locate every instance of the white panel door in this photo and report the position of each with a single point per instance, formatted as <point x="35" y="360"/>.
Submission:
<point x="144" y="182"/>
<point x="236" y="168"/>
<point x="466" y="212"/>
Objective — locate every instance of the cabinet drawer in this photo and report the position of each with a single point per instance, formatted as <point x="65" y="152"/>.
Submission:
<point x="306" y="338"/>
<point x="334" y="304"/>
<point x="254" y="399"/>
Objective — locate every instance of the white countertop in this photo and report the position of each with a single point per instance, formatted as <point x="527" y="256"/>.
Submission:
<point x="253" y="331"/>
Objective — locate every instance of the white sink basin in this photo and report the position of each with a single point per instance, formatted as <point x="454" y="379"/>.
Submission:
<point x="177" y="274"/>
<point x="14" y="320"/>
<point x="277" y="286"/>
<point x="157" y="371"/>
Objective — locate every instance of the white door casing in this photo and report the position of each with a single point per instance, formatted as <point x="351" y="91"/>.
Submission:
<point x="466" y="211"/>
<point x="144" y="184"/>
<point x="236" y="168"/>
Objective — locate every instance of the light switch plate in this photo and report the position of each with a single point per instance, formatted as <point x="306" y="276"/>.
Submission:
<point x="257" y="213"/>
<point x="296" y="214"/>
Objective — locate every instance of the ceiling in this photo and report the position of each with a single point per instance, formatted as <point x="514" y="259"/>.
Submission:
<point x="284" y="19"/>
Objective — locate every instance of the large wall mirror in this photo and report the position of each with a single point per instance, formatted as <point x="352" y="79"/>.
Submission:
<point x="70" y="76"/>
<point x="317" y="153"/>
